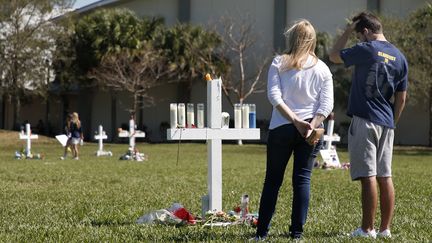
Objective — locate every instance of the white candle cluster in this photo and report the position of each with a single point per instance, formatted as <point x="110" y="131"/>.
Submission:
<point x="244" y="116"/>
<point x="182" y="115"/>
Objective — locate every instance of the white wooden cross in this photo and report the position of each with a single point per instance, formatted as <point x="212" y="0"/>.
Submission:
<point x="28" y="137"/>
<point x="214" y="135"/>
<point x="132" y="134"/>
<point x="330" y="137"/>
<point x="100" y="136"/>
<point x="329" y="154"/>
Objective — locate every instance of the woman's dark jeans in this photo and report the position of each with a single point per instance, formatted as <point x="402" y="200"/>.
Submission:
<point x="282" y="142"/>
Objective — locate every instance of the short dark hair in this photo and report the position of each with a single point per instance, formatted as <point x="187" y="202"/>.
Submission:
<point x="369" y="21"/>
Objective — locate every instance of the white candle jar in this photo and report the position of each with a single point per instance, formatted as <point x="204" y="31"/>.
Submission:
<point x="200" y="115"/>
<point x="173" y="115"/>
<point x="237" y="116"/>
<point x="252" y="116"/>
<point x="245" y="116"/>
<point x="181" y="115"/>
<point x="190" y="116"/>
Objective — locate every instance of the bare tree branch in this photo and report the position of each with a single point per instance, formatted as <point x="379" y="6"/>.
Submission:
<point x="239" y="41"/>
<point x="135" y="73"/>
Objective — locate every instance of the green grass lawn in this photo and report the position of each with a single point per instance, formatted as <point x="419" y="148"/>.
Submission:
<point x="99" y="199"/>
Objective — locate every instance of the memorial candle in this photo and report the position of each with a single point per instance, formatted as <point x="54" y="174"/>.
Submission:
<point x="200" y="115"/>
<point x="245" y="116"/>
<point x="252" y="116"/>
<point x="237" y="116"/>
<point x="190" y="116"/>
<point x="181" y="115"/>
<point x="173" y="115"/>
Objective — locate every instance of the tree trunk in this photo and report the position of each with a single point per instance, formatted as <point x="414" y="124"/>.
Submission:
<point x="242" y="76"/>
<point x="47" y="118"/>
<point x="135" y="104"/>
<point x="430" y="116"/>
<point x="113" y="116"/>
<point x="65" y="111"/>
<point x="86" y="113"/>
<point x="141" y="113"/>
<point x="3" y="112"/>
<point x="240" y="142"/>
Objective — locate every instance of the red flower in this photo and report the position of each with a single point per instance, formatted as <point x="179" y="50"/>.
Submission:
<point x="183" y="214"/>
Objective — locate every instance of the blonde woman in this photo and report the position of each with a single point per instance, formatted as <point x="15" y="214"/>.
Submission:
<point x="76" y="134"/>
<point x="300" y="89"/>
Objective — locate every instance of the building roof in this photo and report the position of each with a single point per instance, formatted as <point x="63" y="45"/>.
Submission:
<point x="89" y="8"/>
<point x="96" y="5"/>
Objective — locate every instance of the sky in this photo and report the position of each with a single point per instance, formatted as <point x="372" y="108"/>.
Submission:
<point x="82" y="3"/>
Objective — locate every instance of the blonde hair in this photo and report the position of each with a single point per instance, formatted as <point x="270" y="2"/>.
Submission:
<point x="75" y="119"/>
<point x="301" y="42"/>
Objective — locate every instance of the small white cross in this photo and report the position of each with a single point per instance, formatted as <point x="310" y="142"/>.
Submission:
<point x="329" y="154"/>
<point x="100" y="137"/>
<point x="330" y="137"/>
<point x="28" y="137"/>
<point x="132" y="134"/>
<point x="214" y="135"/>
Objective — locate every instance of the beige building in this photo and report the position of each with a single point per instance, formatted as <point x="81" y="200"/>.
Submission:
<point x="270" y="17"/>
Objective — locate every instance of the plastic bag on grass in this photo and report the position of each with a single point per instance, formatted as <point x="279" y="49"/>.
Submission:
<point x="161" y="216"/>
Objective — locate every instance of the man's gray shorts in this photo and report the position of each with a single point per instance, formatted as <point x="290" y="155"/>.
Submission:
<point x="370" y="148"/>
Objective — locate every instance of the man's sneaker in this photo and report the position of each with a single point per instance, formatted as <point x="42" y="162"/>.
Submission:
<point x="384" y="234"/>
<point x="360" y="233"/>
<point x="62" y="158"/>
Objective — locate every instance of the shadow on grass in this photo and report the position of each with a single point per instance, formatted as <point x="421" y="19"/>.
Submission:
<point x="332" y="234"/>
<point x="413" y="152"/>
<point x="198" y="234"/>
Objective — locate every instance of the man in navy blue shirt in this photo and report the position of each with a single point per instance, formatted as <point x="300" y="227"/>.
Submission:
<point x="377" y="98"/>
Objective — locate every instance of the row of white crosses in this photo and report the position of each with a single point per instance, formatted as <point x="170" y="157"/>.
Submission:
<point x="131" y="134"/>
<point x="214" y="134"/>
<point x="28" y="136"/>
<point x="100" y="136"/>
